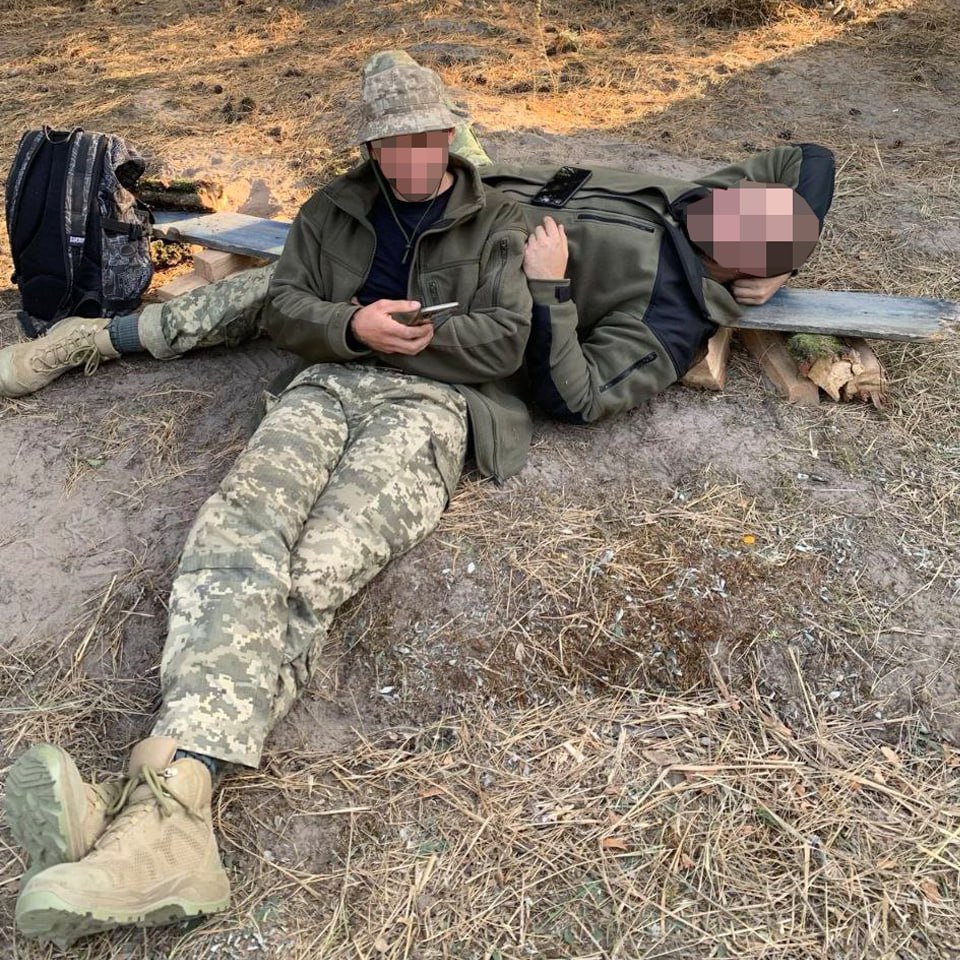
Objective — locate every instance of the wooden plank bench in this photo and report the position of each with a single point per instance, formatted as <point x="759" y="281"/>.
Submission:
<point x="792" y="310"/>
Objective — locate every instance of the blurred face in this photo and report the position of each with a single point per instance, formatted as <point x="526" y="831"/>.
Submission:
<point x="753" y="229"/>
<point x="413" y="163"/>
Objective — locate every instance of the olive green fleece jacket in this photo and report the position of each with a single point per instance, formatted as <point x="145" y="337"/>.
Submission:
<point x="638" y="304"/>
<point x="472" y="255"/>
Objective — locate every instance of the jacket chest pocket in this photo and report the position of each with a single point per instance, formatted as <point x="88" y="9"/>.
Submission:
<point x="341" y="279"/>
<point x="451" y="281"/>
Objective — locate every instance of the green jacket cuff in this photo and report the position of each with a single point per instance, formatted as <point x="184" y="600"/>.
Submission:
<point x="549" y="292"/>
<point x="351" y="345"/>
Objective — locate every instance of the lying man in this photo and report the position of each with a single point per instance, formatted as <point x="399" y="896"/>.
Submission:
<point x="629" y="278"/>
<point x="351" y="467"/>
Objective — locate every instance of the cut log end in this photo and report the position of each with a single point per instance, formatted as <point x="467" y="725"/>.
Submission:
<point x="845" y="369"/>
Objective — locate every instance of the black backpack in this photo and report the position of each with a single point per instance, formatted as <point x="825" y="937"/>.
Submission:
<point x="79" y="238"/>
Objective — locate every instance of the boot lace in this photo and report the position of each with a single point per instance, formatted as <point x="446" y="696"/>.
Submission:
<point x="153" y="780"/>
<point x="76" y="348"/>
<point x="129" y="810"/>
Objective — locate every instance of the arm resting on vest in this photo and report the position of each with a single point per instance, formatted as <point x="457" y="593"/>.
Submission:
<point x="806" y="167"/>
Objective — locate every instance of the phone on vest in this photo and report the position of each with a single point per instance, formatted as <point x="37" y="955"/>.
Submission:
<point x="558" y="190"/>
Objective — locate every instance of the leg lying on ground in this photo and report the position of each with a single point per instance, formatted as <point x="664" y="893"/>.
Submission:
<point x="351" y="469"/>
<point x="227" y="312"/>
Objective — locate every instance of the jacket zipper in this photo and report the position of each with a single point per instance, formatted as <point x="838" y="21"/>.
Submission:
<point x="622" y="220"/>
<point x="502" y="244"/>
<point x="642" y="362"/>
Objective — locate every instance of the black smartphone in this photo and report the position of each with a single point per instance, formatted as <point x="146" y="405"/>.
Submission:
<point x="558" y="190"/>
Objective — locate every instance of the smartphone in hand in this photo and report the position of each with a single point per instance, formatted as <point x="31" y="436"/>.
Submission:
<point x="413" y="318"/>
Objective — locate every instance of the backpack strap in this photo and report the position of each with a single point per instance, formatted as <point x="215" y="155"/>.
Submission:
<point x="30" y="144"/>
<point x="132" y="231"/>
<point x="81" y="184"/>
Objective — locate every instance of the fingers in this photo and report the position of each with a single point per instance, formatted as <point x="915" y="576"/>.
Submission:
<point x="548" y="232"/>
<point x="412" y="345"/>
<point x="398" y="306"/>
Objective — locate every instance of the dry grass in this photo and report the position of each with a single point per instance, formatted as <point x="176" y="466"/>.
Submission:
<point x="637" y="827"/>
<point x="621" y="826"/>
<point x="683" y="743"/>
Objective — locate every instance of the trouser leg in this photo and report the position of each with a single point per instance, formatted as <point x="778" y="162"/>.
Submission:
<point x="228" y="606"/>
<point x="387" y="493"/>
<point x="226" y="312"/>
<point x="259" y="581"/>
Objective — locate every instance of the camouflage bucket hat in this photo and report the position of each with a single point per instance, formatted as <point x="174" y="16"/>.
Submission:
<point x="402" y="99"/>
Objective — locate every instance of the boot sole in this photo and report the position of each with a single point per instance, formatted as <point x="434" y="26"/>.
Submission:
<point x="47" y="916"/>
<point x="46" y="804"/>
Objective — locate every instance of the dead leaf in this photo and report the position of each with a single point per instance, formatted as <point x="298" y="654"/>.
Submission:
<point x="830" y="375"/>
<point x="930" y="889"/>
<point x="614" y="843"/>
<point x="891" y="756"/>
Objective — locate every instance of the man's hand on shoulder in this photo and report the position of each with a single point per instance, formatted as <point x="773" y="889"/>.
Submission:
<point x="757" y="290"/>
<point x="373" y="326"/>
<point x="545" y="252"/>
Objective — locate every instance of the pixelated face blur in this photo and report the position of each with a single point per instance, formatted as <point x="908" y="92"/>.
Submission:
<point x="413" y="163"/>
<point x="754" y="229"/>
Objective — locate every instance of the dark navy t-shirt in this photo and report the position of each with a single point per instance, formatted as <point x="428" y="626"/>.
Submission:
<point x="388" y="275"/>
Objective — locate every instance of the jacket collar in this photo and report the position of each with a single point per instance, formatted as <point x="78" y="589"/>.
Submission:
<point x="356" y="191"/>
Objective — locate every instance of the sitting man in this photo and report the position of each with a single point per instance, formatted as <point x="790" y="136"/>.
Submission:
<point x="351" y="467"/>
<point x="645" y="292"/>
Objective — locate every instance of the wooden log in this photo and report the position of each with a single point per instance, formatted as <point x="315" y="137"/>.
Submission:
<point x="232" y="232"/>
<point x="188" y="196"/>
<point x="214" y="265"/>
<point x="781" y="369"/>
<point x="711" y="372"/>
<point x="183" y="284"/>
<point x="870" y="385"/>
<point x="878" y="316"/>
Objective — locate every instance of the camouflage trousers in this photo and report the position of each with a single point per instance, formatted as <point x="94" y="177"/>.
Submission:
<point x="227" y="312"/>
<point x="349" y="469"/>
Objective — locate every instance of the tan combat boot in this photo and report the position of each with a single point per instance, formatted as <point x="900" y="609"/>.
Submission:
<point x="157" y="861"/>
<point x="51" y="812"/>
<point x="76" y="341"/>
